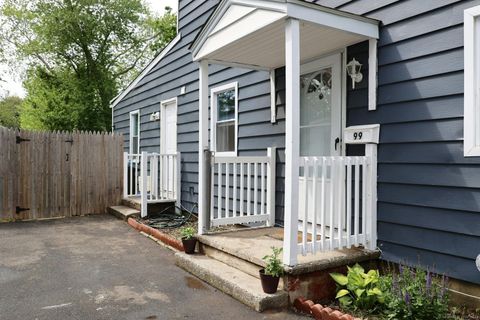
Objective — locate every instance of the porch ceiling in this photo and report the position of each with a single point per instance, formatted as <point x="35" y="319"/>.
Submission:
<point x="252" y="33"/>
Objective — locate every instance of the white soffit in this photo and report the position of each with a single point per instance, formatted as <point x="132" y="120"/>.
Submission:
<point x="266" y="47"/>
<point x="235" y="26"/>
<point x="252" y="32"/>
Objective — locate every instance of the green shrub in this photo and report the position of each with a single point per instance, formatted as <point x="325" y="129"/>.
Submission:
<point x="417" y="294"/>
<point x="274" y="265"/>
<point x="187" y="233"/>
<point x="359" y="290"/>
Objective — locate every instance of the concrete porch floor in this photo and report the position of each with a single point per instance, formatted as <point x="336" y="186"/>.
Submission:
<point x="253" y="244"/>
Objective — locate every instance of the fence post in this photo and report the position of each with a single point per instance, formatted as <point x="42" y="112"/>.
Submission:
<point x="125" y="174"/>
<point x="272" y="175"/>
<point x="371" y="153"/>
<point x="143" y="186"/>
<point x="178" y="180"/>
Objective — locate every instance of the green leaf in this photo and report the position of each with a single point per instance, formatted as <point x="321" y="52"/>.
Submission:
<point x="345" y="301"/>
<point x="358" y="268"/>
<point x="339" y="278"/>
<point x="374" y="291"/>
<point x="359" y="292"/>
<point x="342" y="293"/>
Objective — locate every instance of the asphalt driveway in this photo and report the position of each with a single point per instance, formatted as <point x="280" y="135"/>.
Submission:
<point x="97" y="267"/>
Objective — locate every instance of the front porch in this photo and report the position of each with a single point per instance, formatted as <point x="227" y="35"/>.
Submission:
<point x="329" y="197"/>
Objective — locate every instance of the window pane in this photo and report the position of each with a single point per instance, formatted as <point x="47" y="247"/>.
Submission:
<point x="226" y="105"/>
<point x="225" y="136"/>
<point x="134" y="145"/>
<point x="135" y="124"/>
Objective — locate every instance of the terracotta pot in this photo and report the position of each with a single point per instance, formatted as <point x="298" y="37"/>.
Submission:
<point x="269" y="283"/>
<point x="189" y="245"/>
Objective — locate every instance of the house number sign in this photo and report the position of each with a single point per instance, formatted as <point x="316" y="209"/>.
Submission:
<point x="362" y="134"/>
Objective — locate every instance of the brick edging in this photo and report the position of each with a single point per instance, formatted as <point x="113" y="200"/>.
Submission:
<point x="157" y="234"/>
<point x="319" y="312"/>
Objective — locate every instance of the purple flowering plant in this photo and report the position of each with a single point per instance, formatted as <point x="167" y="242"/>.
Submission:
<point x="417" y="293"/>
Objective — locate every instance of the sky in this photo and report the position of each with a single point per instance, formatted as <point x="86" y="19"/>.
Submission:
<point x="14" y="86"/>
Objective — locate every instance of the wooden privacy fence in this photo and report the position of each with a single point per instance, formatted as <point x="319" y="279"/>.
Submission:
<point x="58" y="174"/>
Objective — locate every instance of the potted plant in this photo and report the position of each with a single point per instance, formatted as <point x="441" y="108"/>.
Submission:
<point x="270" y="276"/>
<point x="188" y="239"/>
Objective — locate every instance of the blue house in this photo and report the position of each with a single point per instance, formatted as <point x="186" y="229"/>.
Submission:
<point x="334" y="124"/>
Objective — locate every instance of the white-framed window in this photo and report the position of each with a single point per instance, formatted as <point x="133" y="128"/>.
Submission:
<point x="224" y="119"/>
<point x="471" y="127"/>
<point x="134" y="145"/>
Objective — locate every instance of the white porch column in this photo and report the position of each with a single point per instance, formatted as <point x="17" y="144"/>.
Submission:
<point x="292" y="139"/>
<point x="203" y="199"/>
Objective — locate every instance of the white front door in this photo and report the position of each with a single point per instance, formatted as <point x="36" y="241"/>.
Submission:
<point x="168" y="143"/>
<point x="321" y="107"/>
<point x="320" y="121"/>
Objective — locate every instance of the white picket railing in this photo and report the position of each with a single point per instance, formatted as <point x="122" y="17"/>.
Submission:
<point x="335" y="202"/>
<point x="153" y="177"/>
<point x="131" y="174"/>
<point x="243" y="190"/>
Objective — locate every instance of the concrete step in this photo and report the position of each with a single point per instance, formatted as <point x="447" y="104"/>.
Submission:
<point x="231" y="260"/>
<point x="238" y="284"/>
<point x="123" y="212"/>
<point x="135" y="203"/>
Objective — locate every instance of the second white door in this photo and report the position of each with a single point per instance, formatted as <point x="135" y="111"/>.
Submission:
<point x="168" y="144"/>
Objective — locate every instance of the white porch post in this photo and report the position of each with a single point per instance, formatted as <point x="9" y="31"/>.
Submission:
<point x="371" y="210"/>
<point x="203" y="200"/>
<point x="292" y="139"/>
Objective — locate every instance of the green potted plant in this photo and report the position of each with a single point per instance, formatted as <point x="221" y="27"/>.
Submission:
<point x="188" y="240"/>
<point x="270" y="275"/>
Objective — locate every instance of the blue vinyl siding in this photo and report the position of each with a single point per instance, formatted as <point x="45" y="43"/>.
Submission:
<point x="428" y="192"/>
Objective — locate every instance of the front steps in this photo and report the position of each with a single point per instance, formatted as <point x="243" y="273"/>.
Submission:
<point x="230" y="261"/>
<point x="232" y="281"/>
<point x="123" y="212"/>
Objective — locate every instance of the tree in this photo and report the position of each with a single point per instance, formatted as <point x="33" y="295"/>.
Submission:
<point x="165" y="27"/>
<point x="9" y="112"/>
<point x="79" y="53"/>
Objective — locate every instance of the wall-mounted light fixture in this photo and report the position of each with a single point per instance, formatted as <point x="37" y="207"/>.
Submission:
<point x="353" y="69"/>
<point x="477" y="261"/>
<point x="155" y="116"/>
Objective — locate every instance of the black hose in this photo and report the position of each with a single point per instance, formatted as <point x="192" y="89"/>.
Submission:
<point x="165" y="220"/>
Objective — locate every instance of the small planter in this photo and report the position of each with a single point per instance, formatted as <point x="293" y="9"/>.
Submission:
<point x="269" y="283"/>
<point x="189" y="245"/>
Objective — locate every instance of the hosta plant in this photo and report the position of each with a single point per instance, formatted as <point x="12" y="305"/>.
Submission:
<point x="359" y="290"/>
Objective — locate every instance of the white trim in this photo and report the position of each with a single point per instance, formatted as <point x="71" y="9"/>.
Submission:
<point x="273" y="97"/>
<point x="145" y="71"/>
<point x="213" y="118"/>
<point x="203" y="176"/>
<point x="301" y="10"/>
<point x="130" y="143"/>
<point x="292" y="138"/>
<point x="237" y="65"/>
<point x="163" y="104"/>
<point x="372" y="74"/>
<point x="471" y="143"/>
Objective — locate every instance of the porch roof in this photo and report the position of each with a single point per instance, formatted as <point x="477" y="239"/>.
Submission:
<point x="252" y="32"/>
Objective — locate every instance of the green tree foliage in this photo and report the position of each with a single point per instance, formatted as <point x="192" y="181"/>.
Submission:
<point x="79" y="53"/>
<point x="166" y="29"/>
<point x="9" y="112"/>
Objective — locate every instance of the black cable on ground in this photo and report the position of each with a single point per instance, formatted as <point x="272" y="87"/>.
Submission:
<point x="165" y="220"/>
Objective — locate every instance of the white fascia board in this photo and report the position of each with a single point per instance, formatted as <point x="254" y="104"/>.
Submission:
<point x="334" y="19"/>
<point x="271" y="5"/>
<point x="145" y="71"/>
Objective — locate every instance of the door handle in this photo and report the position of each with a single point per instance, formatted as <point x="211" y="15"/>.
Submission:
<point x="337" y="141"/>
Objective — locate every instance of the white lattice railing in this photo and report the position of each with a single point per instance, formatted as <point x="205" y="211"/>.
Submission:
<point x="243" y="190"/>
<point x="153" y="177"/>
<point x="335" y="203"/>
